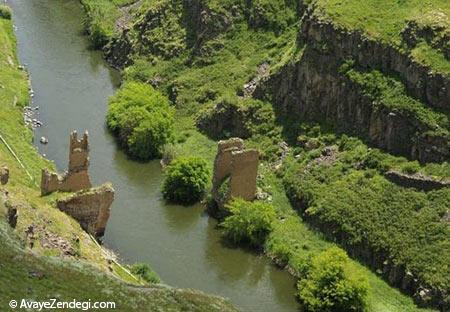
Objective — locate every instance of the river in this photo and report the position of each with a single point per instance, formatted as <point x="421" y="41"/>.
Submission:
<point x="71" y="86"/>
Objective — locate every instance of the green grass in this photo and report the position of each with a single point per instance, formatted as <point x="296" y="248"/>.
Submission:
<point x="25" y="275"/>
<point x="431" y="57"/>
<point x="385" y="19"/>
<point x="391" y="93"/>
<point x="294" y="243"/>
<point x="369" y="210"/>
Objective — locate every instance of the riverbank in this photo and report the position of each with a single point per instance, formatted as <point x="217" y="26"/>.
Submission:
<point x="47" y="253"/>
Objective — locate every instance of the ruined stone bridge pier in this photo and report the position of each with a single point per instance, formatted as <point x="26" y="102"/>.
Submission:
<point x="235" y="172"/>
<point x="91" y="207"/>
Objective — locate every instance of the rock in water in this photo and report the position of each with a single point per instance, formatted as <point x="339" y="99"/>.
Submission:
<point x="44" y="140"/>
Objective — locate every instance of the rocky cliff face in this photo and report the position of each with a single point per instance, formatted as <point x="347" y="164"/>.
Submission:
<point x="313" y="88"/>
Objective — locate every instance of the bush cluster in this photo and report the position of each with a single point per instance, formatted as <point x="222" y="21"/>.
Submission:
<point x="332" y="284"/>
<point x="185" y="180"/>
<point x="354" y="200"/>
<point x="249" y="223"/>
<point x="143" y="270"/>
<point x="142" y="119"/>
<point x="273" y="15"/>
<point x="5" y="12"/>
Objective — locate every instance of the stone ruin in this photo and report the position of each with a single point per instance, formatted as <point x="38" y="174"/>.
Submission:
<point x="4" y="175"/>
<point x="235" y="171"/>
<point x="77" y="176"/>
<point x="89" y="206"/>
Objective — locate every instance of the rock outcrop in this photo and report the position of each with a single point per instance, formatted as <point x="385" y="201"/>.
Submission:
<point x="235" y="172"/>
<point x="77" y="176"/>
<point x="225" y="119"/>
<point x="12" y="215"/>
<point x="91" y="208"/>
<point x="313" y="89"/>
<point x="417" y="181"/>
<point x="4" y="175"/>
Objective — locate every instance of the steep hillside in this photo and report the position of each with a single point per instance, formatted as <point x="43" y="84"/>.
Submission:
<point x="43" y="252"/>
<point x="348" y="102"/>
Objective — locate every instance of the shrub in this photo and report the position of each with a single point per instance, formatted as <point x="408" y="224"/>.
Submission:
<point x="142" y="119"/>
<point x="98" y="35"/>
<point x="375" y="159"/>
<point x="249" y="222"/>
<point x="185" y="180"/>
<point x="411" y="167"/>
<point x="5" y="12"/>
<point x="144" y="271"/>
<point x="332" y="284"/>
<point x="275" y="15"/>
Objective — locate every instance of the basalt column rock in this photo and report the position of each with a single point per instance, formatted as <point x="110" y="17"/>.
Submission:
<point x="77" y="177"/>
<point x="4" y="175"/>
<point x="238" y="168"/>
<point x="91" y="208"/>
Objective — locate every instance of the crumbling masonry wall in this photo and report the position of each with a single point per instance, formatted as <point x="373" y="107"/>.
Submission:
<point x="244" y="172"/>
<point x="240" y="166"/>
<point x="77" y="176"/>
<point x="90" y="208"/>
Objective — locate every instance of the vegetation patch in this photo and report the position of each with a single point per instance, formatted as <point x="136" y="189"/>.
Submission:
<point x="5" y="12"/>
<point x="142" y="119"/>
<point x="249" y="222"/>
<point x="185" y="180"/>
<point x="349" y="199"/>
<point x="332" y="284"/>
<point x="145" y="272"/>
<point x="386" y="20"/>
<point x="391" y="93"/>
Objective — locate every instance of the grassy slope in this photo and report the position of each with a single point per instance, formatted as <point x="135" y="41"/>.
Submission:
<point x="23" y="274"/>
<point x="63" y="278"/>
<point x="385" y="20"/>
<point x="226" y="71"/>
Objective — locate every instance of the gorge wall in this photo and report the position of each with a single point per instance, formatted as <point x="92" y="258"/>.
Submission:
<point x="315" y="88"/>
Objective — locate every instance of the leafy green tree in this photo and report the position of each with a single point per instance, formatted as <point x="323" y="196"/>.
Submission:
<point x="185" y="180"/>
<point x="333" y="285"/>
<point x="249" y="222"/>
<point x="142" y="119"/>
